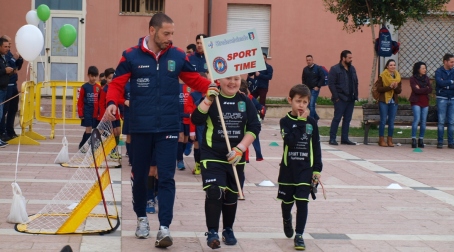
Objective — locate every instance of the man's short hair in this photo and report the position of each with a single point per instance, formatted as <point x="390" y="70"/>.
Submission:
<point x="301" y="90"/>
<point x="101" y="75"/>
<point x="309" y="56"/>
<point x="266" y="55"/>
<point x="3" y="40"/>
<point x="193" y="47"/>
<point x="93" y="71"/>
<point x="447" y="57"/>
<point x="158" y="19"/>
<point x="344" y="54"/>
<point x="200" y="35"/>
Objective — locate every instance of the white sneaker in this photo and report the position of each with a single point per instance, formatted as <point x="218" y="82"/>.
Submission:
<point x="163" y="239"/>
<point x="143" y="228"/>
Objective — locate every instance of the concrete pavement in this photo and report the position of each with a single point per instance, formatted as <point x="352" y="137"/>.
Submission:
<point x="360" y="213"/>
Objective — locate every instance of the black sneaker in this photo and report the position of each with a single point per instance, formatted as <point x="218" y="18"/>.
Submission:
<point x="439" y="146"/>
<point x="288" y="229"/>
<point x="451" y="146"/>
<point x="228" y="237"/>
<point x="3" y="144"/>
<point x="299" y="242"/>
<point x="213" y="239"/>
<point x="5" y="137"/>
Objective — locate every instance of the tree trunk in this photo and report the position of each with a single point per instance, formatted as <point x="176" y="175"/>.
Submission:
<point x="374" y="63"/>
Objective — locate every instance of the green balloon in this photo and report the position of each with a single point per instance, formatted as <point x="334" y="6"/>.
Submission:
<point x="67" y="35"/>
<point x="43" y="12"/>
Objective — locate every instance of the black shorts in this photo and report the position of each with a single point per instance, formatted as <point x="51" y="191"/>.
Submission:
<point x="116" y="124"/>
<point x="221" y="174"/>
<point x="290" y="193"/>
<point x="89" y="122"/>
<point x="125" y="129"/>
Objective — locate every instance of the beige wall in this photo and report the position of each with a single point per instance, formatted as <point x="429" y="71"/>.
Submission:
<point x="298" y="28"/>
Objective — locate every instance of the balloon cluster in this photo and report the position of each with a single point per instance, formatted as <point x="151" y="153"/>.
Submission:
<point x="30" y="40"/>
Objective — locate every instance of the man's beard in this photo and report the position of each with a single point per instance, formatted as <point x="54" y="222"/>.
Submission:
<point x="161" y="46"/>
<point x="348" y="63"/>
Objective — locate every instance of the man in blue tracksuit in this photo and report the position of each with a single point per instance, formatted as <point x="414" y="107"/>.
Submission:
<point x="153" y="68"/>
<point x="444" y="77"/>
<point x="197" y="58"/>
<point x="10" y="108"/>
<point x="262" y="79"/>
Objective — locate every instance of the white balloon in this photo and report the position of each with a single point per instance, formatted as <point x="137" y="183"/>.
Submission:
<point x="29" y="42"/>
<point x="32" y="18"/>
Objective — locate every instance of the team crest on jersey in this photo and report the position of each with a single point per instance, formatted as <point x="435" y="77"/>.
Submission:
<point x="171" y="65"/>
<point x="309" y="128"/>
<point x="188" y="89"/>
<point x="205" y="66"/>
<point x="97" y="89"/>
<point x="241" y="106"/>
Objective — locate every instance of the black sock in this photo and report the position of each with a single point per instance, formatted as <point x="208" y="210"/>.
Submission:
<point x="286" y="210"/>
<point x="84" y="139"/>
<point x="180" y="151"/>
<point x="301" y="216"/>
<point x="150" y="186"/>
<point x="228" y="213"/>
<point x="197" y="155"/>
<point x="117" y="139"/>
<point x="213" y="209"/>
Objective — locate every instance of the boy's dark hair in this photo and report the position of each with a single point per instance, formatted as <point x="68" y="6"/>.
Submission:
<point x="244" y="87"/>
<point x="157" y="20"/>
<point x="102" y="75"/>
<point x="93" y="71"/>
<point x="344" y="54"/>
<point x="266" y="55"/>
<point x="307" y="56"/>
<point x="192" y="46"/>
<point x="447" y="57"/>
<point x="301" y="90"/>
<point x="200" y="35"/>
<point x="103" y="82"/>
<point x="109" y="71"/>
<point x="417" y="66"/>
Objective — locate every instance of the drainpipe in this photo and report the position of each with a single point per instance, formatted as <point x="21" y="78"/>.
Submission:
<point x="210" y="5"/>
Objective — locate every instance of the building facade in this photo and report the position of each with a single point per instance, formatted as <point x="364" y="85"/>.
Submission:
<point x="288" y="31"/>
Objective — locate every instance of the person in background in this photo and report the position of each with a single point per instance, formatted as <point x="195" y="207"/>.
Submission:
<point x="197" y="58"/>
<point x="389" y="87"/>
<point x="444" y="77"/>
<point x="343" y="84"/>
<point x="314" y="78"/>
<point x="419" y="99"/>
<point x="10" y="108"/>
<point x="87" y="105"/>
<point x="262" y="80"/>
<point x="190" y="49"/>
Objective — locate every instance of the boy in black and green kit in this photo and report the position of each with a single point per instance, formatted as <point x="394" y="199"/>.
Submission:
<point x="301" y="162"/>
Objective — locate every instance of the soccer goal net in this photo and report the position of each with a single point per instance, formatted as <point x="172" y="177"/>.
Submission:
<point x="113" y="154"/>
<point x="86" y="203"/>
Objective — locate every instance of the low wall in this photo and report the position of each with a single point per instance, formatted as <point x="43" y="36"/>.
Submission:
<point x="323" y="111"/>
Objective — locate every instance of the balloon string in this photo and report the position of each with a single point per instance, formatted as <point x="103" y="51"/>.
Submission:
<point x="64" y="105"/>
<point x="22" y="133"/>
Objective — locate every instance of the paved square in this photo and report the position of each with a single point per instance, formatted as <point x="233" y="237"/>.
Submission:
<point x="378" y="199"/>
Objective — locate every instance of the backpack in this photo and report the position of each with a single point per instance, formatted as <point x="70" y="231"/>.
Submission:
<point x="374" y="91"/>
<point x="325" y="73"/>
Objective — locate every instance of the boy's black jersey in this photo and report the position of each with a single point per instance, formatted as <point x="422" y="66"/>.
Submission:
<point x="301" y="150"/>
<point x="240" y="117"/>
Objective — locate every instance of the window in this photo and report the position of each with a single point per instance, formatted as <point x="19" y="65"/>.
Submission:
<point x="247" y="16"/>
<point x="141" y="7"/>
<point x="427" y="41"/>
<point x="75" y="5"/>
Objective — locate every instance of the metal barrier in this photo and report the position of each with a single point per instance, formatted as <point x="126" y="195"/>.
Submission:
<point x="53" y="120"/>
<point x="26" y="116"/>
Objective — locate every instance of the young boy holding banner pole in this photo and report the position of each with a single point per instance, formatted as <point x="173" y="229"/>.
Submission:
<point x="221" y="181"/>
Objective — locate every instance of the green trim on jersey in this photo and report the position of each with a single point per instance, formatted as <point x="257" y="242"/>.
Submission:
<point x="292" y="184"/>
<point x="217" y="161"/>
<point x="226" y="96"/>
<point x="285" y="155"/>
<point x="201" y="111"/>
<point x="296" y="119"/>
<point x="300" y="198"/>
<point x="222" y="187"/>
<point x="250" y="133"/>
<point x="312" y="153"/>
<point x="209" y="134"/>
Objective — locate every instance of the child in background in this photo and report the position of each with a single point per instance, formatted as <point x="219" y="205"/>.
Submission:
<point x="109" y="73"/>
<point x="87" y="104"/>
<point x="301" y="162"/>
<point x="184" y="128"/>
<point x="196" y="132"/>
<point x="218" y="178"/>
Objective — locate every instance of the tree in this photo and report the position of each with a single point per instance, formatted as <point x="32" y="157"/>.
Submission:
<point x="355" y="14"/>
